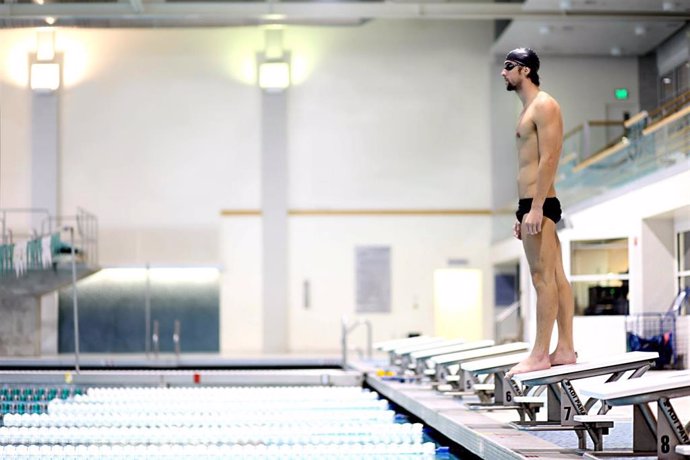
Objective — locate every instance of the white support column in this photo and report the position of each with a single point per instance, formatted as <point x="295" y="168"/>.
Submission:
<point x="45" y="74"/>
<point x="45" y="152"/>
<point x="656" y="266"/>
<point x="274" y="202"/>
<point x="274" y="205"/>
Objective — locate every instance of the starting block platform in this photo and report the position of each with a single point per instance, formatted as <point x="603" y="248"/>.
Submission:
<point x="447" y="368"/>
<point x="444" y="349"/>
<point x="389" y="346"/>
<point x="564" y="402"/>
<point x="423" y="360"/>
<point x="662" y="434"/>
<point x="492" y="370"/>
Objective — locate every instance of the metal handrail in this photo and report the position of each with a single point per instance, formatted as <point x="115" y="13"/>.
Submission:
<point x="155" y="338"/>
<point x="147" y="311"/>
<point x="176" y="338"/>
<point x="86" y="225"/>
<point x="75" y="302"/>
<point x="512" y="309"/>
<point x="504" y="315"/>
<point x="669" y="107"/>
<point x="5" y="211"/>
<point x="346" y="329"/>
<point x="683" y="298"/>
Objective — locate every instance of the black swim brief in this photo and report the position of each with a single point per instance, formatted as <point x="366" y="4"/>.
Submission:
<point x="551" y="208"/>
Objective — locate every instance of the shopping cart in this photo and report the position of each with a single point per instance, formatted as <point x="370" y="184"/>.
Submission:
<point x="659" y="332"/>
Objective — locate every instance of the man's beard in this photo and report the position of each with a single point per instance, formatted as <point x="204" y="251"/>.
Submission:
<point x="510" y="87"/>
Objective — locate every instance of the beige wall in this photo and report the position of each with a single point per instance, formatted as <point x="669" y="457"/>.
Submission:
<point x="159" y="132"/>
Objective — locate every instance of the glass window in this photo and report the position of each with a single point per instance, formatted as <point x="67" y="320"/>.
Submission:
<point x="112" y="310"/>
<point x="683" y="260"/>
<point x="599" y="257"/>
<point x="674" y="83"/>
<point x="684" y="282"/>
<point x="667" y="87"/>
<point x="683" y="78"/>
<point x="599" y="276"/>
<point x="684" y="251"/>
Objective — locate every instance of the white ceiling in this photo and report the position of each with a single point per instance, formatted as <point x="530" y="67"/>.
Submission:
<point x="594" y="27"/>
<point x="609" y="5"/>
<point x="563" y="27"/>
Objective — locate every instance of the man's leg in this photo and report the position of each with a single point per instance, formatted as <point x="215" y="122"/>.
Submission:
<point x="564" y="352"/>
<point x="541" y="251"/>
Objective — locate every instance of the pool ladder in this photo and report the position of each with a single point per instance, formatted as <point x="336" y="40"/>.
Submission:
<point x="176" y="337"/>
<point x="346" y="329"/>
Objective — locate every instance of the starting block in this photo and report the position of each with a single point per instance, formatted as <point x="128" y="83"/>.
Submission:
<point x="424" y="360"/>
<point x="389" y="346"/>
<point x="492" y="370"/>
<point x="563" y="401"/>
<point x="447" y="368"/>
<point x="662" y="434"/>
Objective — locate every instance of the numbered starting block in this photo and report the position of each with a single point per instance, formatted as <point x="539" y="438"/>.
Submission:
<point x="389" y="346"/>
<point x="662" y="434"/>
<point x="491" y="371"/>
<point x="407" y="355"/>
<point x="424" y="362"/>
<point x="565" y="409"/>
<point x="448" y="372"/>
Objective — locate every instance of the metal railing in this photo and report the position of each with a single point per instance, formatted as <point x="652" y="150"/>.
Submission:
<point x="511" y="312"/>
<point x="31" y="226"/>
<point x="155" y="338"/>
<point x="645" y="148"/>
<point x="86" y="225"/>
<point x="75" y="300"/>
<point x="346" y="329"/>
<point x="152" y="337"/>
<point x="7" y="234"/>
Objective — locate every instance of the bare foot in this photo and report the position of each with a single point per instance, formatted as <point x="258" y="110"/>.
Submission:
<point x="560" y="357"/>
<point x="529" y="364"/>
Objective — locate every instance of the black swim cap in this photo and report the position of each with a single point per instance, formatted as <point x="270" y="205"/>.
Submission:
<point x="528" y="58"/>
<point x="525" y="57"/>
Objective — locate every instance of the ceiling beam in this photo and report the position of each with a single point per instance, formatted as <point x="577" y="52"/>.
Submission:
<point x="137" y="7"/>
<point x="232" y="11"/>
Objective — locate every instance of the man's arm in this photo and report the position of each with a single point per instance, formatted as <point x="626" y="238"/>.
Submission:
<point x="549" y="125"/>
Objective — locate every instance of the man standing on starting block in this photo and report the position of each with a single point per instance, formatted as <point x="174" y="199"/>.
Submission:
<point x="539" y="137"/>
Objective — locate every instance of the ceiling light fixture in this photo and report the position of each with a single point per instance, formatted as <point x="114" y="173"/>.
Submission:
<point x="640" y="30"/>
<point x="274" y="76"/>
<point x="50" y="20"/>
<point x="273" y="17"/>
<point x="545" y="29"/>
<point x="616" y="51"/>
<point x="566" y="4"/>
<point x="668" y="6"/>
<point x="45" y="76"/>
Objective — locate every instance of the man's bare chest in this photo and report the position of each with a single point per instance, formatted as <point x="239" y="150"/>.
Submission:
<point x="525" y="130"/>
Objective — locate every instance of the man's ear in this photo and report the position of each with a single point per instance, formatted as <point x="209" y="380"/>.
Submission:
<point x="527" y="71"/>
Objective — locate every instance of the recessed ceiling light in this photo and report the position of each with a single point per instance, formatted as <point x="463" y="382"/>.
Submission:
<point x="50" y="20"/>
<point x="616" y="51"/>
<point x="566" y="4"/>
<point x="668" y="6"/>
<point x="273" y="17"/>
<point x="544" y="29"/>
<point x="640" y="30"/>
